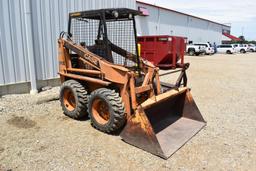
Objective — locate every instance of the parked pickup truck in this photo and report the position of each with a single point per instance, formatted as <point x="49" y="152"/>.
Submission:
<point x="195" y="49"/>
<point x="240" y="48"/>
<point x="209" y="50"/>
<point x="252" y="48"/>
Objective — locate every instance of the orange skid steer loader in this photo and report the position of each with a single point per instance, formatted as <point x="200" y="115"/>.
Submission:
<point x="103" y="76"/>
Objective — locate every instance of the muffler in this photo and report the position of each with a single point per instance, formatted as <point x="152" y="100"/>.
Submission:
<point x="164" y="123"/>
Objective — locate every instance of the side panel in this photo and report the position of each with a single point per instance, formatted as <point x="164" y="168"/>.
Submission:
<point x="49" y="18"/>
<point x="13" y="58"/>
<point x="165" y="22"/>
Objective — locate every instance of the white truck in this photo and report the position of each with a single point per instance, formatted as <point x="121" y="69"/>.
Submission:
<point x="209" y="49"/>
<point x="240" y="48"/>
<point x="252" y="48"/>
<point x="195" y="50"/>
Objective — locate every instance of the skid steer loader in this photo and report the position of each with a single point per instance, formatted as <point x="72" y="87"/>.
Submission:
<point x="103" y="76"/>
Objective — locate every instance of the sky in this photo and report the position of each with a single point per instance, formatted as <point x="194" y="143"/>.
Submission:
<point x="241" y="14"/>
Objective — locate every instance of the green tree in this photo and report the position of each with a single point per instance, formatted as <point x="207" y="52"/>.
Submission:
<point x="242" y="39"/>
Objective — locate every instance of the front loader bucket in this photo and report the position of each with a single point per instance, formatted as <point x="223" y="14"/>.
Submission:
<point x="163" y="124"/>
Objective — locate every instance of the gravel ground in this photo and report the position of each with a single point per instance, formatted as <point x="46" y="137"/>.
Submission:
<point x="37" y="136"/>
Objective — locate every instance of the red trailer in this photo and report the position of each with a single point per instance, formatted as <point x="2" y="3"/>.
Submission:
<point x="166" y="52"/>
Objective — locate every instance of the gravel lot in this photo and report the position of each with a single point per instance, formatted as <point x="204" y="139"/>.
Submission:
<point x="39" y="137"/>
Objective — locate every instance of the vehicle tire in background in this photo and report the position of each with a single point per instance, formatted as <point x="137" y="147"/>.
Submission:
<point x="242" y="51"/>
<point x="73" y="99"/>
<point x="191" y="52"/>
<point x="229" y="52"/>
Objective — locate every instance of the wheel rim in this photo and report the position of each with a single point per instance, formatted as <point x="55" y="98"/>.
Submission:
<point x="69" y="99"/>
<point x="100" y="111"/>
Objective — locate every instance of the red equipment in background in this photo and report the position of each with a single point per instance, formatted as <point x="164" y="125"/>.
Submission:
<point x="166" y="52"/>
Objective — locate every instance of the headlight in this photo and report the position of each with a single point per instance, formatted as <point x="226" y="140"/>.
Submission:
<point x="115" y="14"/>
<point x="130" y="16"/>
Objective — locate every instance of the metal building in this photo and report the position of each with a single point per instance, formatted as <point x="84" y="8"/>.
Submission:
<point x="29" y="30"/>
<point x="158" y="20"/>
<point x="28" y="33"/>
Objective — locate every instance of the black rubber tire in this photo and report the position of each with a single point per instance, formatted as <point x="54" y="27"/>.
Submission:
<point x="229" y="52"/>
<point x="191" y="52"/>
<point x="242" y="51"/>
<point x="117" y="118"/>
<point x="81" y="99"/>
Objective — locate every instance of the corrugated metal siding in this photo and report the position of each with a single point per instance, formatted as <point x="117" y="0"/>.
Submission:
<point x="14" y="65"/>
<point x="49" y="18"/>
<point x="162" y="21"/>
